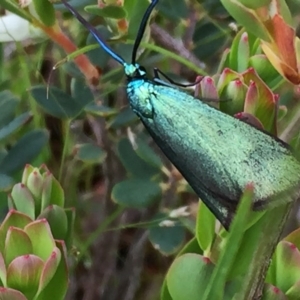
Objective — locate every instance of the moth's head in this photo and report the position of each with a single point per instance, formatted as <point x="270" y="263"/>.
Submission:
<point x="134" y="70"/>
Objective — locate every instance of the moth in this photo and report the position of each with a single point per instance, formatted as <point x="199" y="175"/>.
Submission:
<point x="216" y="153"/>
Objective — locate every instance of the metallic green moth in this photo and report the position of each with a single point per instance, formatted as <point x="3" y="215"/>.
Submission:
<point x="217" y="154"/>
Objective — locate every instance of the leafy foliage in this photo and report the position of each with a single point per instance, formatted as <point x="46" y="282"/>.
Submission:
<point x="133" y="207"/>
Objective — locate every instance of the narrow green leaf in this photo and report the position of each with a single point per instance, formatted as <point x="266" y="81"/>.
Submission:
<point x="8" y="104"/>
<point x="216" y="286"/>
<point x="15" y="8"/>
<point x="205" y="227"/>
<point x="45" y="11"/>
<point x="14" y="125"/>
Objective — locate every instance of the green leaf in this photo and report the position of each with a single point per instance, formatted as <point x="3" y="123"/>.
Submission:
<point x="109" y="11"/>
<point x="24" y="273"/>
<point x="16" y="219"/>
<point x="166" y="238"/>
<point x="265" y="106"/>
<point x="49" y="269"/>
<point x="164" y="294"/>
<point x="99" y="56"/>
<point x="248" y="18"/>
<point x="294" y="238"/>
<point x="70" y="213"/>
<point x="172" y="11"/>
<point x="137" y="193"/>
<point x="58" y="285"/>
<point x="293" y="292"/>
<point x="132" y="162"/>
<point x="8" y="104"/>
<point x="13" y="218"/>
<point x="45" y="11"/>
<point x="23" y="200"/>
<point x="135" y="10"/>
<point x="100" y="110"/>
<point x="145" y="152"/>
<point x="255" y="4"/>
<point x="41" y="238"/>
<point x="6" y="182"/>
<point x="57" y="219"/>
<point x="24" y="151"/>
<point x="271" y="292"/>
<point x="188" y="276"/>
<point x="81" y="92"/>
<point x="90" y="153"/>
<point x="234" y="51"/>
<point x="205" y="228"/>
<point x="208" y="39"/>
<point x="17" y="243"/>
<point x="286" y="257"/>
<point x="59" y="104"/>
<point x="14" y="125"/>
<point x="216" y="285"/>
<point x="125" y="118"/>
<point x="265" y="69"/>
<point x="52" y="193"/>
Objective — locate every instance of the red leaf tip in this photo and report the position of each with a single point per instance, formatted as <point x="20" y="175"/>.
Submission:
<point x="245" y="37"/>
<point x="238" y="82"/>
<point x="209" y="80"/>
<point x="276" y="290"/>
<point x="206" y="260"/>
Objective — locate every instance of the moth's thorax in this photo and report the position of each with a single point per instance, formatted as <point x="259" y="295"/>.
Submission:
<point x="140" y="93"/>
<point x="134" y="70"/>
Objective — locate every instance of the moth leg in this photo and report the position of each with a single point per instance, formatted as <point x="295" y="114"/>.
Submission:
<point x="157" y="79"/>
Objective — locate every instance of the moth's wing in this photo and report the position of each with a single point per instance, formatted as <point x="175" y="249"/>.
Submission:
<point x="221" y="207"/>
